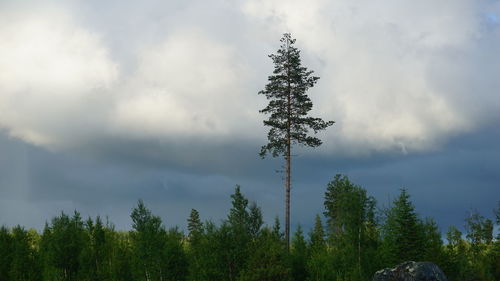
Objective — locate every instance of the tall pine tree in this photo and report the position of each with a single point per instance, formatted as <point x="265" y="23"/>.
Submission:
<point x="288" y="108"/>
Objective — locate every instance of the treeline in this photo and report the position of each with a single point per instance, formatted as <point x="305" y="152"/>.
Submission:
<point x="354" y="240"/>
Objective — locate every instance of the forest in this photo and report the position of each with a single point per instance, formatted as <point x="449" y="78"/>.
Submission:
<point x="353" y="238"/>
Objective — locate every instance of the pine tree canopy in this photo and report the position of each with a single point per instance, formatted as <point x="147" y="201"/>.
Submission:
<point x="289" y="105"/>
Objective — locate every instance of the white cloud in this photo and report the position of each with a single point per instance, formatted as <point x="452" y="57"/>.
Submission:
<point x="52" y="74"/>
<point x="379" y="71"/>
<point x="187" y="86"/>
<point x="395" y="75"/>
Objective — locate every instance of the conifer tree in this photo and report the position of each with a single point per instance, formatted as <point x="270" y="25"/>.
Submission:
<point x="255" y="220"/>
<point x="195" y="227"/>
<point x="402" y="232"/>
<point x="288" y="108"/>
<point x="351" y="228"/>
<point x="5" y="253"/>
<point x="62" y="244"/>
<point x="298" y="255"/>
<point x="24" y="265"/>
<point x="319" y="266"/>
<point x="267" y="260"/>
<point x="147" y="243"/>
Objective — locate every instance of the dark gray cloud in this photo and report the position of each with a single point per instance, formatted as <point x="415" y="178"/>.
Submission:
<point x="37" y="184"/>
<point x="108" y="102"/>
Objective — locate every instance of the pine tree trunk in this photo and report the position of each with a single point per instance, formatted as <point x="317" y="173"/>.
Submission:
<point x="288" y="157"/>
<point x="287" y="194"/>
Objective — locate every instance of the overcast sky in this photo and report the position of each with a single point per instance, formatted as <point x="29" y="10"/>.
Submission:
<point x="106" y="102"/>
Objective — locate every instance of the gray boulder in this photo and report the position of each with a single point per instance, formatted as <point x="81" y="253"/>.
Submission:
<point x="411" y="271"/>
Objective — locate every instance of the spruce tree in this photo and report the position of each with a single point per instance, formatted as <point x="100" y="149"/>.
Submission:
<point x="298" y="256"/>
<point x="195" y="227"/>
<point x="6" y="247"/>
<point x="288" y="108"/>
<point x="319" y="266"/>
<point x="403" y="237"/>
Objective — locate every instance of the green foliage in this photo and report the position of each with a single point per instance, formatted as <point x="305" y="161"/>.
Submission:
<point x="255" y="220"/>
<point x="62" y="243"/>
<point x="352" y="230"/>
<point x="95" y="252"/>
<point x="24" y="264"/>
<point x="317" y="236"/>
<point x="6" y="251"/>
<point x="267" y="260"/>
<point x="480" y="238"/>
<point x="403" y="238"/>
<point x="320" y="264"/>
<point x="195" y="227"/>
<point x="289" y="105"/>
<point x="351" y="246"/>
<point x="288" y="110"/>
<point x="433" y="250"/>
<point x="174" y="260"/>
<point x="299" y="256"/>
<point x="456" y="266"/>
<point x="121" y="266"/>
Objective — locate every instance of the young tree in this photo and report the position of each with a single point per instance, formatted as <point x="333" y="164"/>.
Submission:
<point x="236" y="232"/>
<point x="147" y="243"/>
<point x="319" y="266"/>
<point x="351" y="228"/>
<point x="61" y="246"/>
<point x="298" y="256"/>
<point x="403" y="238"/>
<point x="5" y="253"/>
<point x="433" y="244"/>
<point x="24" y="265"/>
<point x="195" y="227"/>
<point x="288" y="108"/>
<point x="267" y="260"/>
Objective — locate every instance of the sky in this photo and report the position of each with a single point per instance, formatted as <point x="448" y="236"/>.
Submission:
<point x="103" y="103"/>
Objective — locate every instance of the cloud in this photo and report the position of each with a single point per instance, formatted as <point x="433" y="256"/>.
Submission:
<point x="395" y="74"/>
<point x="55" y="76"/>
<point x="185" y="87"/>
<point x="398" y="76"/>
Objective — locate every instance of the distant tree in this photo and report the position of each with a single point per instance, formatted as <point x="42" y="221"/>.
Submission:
<point x="24" y="266"/>
<point x="277" y="228"/>
<point x="402" y="234"/>
<point x="480" y="236"/>
<point x="196" y="253"/>
<point x="352" y="232"/>
<point x="299" y="256"/>
<point x="5" y="253"/>
<point x="255" y="220"/>
<point x="288" y="108"/>
<point x="210" y="254"/>
<point x="319" y="266"/>
<point x="61" y="244"/>
<point x="495" y="253"/>
<point x="96" y="252"/>
<point x="317" y="236"/>
<point x="457" y="265"/>
<point x="238" y="214"/>
<point x="195" y="226"/>
<point x="236" y="234"/>
<point x="122" y="267"/>
<point x="433" y="244"/>
<point x="147" y="243"/>
<point x="174" y="260"/>
<point x="267" y="260"/>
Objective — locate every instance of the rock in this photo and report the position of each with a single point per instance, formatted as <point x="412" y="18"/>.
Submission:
<point x="411" y="271"/>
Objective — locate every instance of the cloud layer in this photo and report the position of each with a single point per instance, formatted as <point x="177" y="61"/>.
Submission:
<point x="396" y="75"/>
